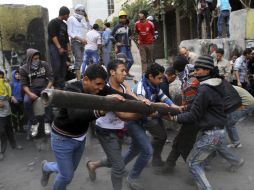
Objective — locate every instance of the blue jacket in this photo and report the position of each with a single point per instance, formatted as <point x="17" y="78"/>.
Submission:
<point x="224" y="5"/>
<point x="16" y="87"/>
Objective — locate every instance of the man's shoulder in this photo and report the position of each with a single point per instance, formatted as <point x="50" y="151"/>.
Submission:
<point x="75" y="86"/>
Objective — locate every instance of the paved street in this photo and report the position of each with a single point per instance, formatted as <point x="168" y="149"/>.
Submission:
<point x="21" y="169"/>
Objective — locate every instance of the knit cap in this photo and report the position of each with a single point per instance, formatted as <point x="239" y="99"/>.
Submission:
<point x="204" y="61"/>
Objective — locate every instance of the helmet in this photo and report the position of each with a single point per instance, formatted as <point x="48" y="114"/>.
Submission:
<point x="150" y="18"/>
<point x="122" y="13"/>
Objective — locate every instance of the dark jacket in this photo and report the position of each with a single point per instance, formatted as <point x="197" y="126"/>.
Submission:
<point x="208" y="106"/>
<point x="74" y="123"/>
<point x="38" y="78"/>
<point x="122" y="34"/>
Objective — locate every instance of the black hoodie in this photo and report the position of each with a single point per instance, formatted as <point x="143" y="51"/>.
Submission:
<point x="38" y="78"/>
<point x="208" y="106"/>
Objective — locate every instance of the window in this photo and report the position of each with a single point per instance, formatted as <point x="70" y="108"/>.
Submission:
<point x="111" y="7"/>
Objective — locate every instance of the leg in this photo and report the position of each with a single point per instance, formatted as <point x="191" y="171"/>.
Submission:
<point x="159" y="133"/>
<point x="150" y="59"/>
<point x="55" y="60"/>
<point x="199" y="23"/>
<point x="68" y="153"/>
<point x="3" y="136"/>
<point x="78" y="53"/>
<point x="140" y="145"/>
<point x="207" y="21"/>
<point x="10" y="132"/>
<point x="227" y="17"/>
<point x="219" y="25"/>
<point x="95" y="57"/>
<point x="113" y="150"/>
<point x="129" y="59"/>
<point x="143" y="57"/>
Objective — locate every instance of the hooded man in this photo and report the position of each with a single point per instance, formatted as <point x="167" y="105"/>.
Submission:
<point x="35" y="76"/>
<point x="78" y="26"/>
<point x="207" y="110"/>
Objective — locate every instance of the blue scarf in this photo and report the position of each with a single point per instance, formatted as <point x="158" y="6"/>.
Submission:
<point x="151" y="90"/>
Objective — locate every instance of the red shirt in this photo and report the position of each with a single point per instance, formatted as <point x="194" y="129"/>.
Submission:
<point x="145" y="32"/>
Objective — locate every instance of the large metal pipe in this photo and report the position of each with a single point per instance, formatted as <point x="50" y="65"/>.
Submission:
<point x="66" y="99"/>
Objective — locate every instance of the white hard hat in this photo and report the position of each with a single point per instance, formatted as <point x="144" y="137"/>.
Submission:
<point x="150" y="18"/>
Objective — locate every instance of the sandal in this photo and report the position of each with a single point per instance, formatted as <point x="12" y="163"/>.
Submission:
<point x="92" y="174"/>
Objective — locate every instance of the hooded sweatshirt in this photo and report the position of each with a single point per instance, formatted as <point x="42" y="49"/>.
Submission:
<point x="35" y="78"/>
<point x="208" y="106"/>
<point x="16" y="87"/>
<point x="5" y="93"/>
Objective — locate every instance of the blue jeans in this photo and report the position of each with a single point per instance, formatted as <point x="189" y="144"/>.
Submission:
<point x="140" y="146"/>
<point x="89" y="54"/>
<point x="106" y="54"/>
<point x="223" y="18"/>
<point x="127" y="51"/>
<point x="233" y="118"/>
<point x="207" y="143"/>
<point x="68" y="153"/>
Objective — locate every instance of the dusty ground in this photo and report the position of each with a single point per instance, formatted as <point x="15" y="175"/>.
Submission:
<point x="21" y="169"/>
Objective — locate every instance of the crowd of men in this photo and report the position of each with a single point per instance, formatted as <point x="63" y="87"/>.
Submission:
<point x="208" y="93"/>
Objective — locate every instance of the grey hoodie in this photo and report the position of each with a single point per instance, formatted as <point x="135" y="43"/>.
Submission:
<point x="38" y="78"/>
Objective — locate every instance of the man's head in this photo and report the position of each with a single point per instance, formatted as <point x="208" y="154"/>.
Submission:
<point x="1" y="74"/>
<point x="179" y="63"/>
<point x="142" y="14"/>
<point x="213" y="48"/>
<point x="64" y="13"/>
<point x="170" y="74"/>
<point x="184" y="52"/>
<point x="204" y="66"/>
<point x="122" y="17"/>
<point x="80" y="9"/>
<point x="154" y="73"/>
<point x="219" y="54"/>
<point x="107" y="24"/>
<point x="247" y="53"/>
<point x="94" y="79"/>
<point x="117" y="70"/>
<point x="96" y="27"/>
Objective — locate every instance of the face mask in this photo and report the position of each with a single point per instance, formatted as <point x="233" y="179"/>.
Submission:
<point x="202" y="77"/>
<point x="35" y="64"/>
<point x="78" y="17"/>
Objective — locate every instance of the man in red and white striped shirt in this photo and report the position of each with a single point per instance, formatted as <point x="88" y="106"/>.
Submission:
<point x="145" y="30"/>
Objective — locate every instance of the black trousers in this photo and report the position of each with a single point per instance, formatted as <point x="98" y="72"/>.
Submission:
<point x="206" y="14"/>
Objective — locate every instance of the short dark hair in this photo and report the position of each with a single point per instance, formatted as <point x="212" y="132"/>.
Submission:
<point x="64" y="11"/>
<point x="247" y="51"/>
<point x="170" y="70"/>
<point x="154" y="69"/>
<point x="144" y="12"/>
<point x="96" y="27"/>
<point x="220" y="50"/>
<point x="107" y="24"/>
<point x="1" y="72"/>
<point x="114" y="64"/>
<point x="95" y="71"/>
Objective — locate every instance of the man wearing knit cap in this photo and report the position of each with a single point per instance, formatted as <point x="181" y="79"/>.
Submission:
<point x="207" y="110"/>
<point x="78" y="26"/>
<point x="145" y="30"/>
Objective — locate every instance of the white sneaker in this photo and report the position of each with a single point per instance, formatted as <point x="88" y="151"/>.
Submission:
<point x="238" y="145"/>
<point x="34" y="129"/>
<point x="47" y="128"/>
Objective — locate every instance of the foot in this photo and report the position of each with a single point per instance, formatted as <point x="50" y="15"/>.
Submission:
<point x="45" y="175"/>
<point x="34" y="129"/>
<point x="234" y="168"/>
<point x="235" y="145"/>
<point x="91" y="170"/>
<point x="166" y="170"/>
<point x="1" y="156"/>
<point x="134" y="184"/>
<point x="47" y="128"/>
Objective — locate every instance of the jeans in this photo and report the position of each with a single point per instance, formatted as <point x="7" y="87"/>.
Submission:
<point x="223" y="18"/>
<point x="89" y="54"/>
<point x="146" y="54"/>
<point x="112" y="147"/>
<point x="207" y="16"/>
<point x="206" y="144"/>
<point x="140" y="146"/>
<point x="78" y="53"/>
<point x="233" y="118"/>
<point x="59" y="67"/>
<point x="68" y="153"/>
<point x="127" y="51"/>
<point x="106" y="54"/>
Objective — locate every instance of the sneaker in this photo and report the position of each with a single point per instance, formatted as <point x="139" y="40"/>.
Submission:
<point x="45" y="175"/>
<point x="234" y="168"/>
<point x="34" y="129"/>
<point x="134" y="184"/>
<point x="47" y="128"/>
<point x="237" y="145"/>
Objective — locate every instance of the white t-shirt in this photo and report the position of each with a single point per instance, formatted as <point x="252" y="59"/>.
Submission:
<point x="93" y="39"/>
<point x="76" y="28"/>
